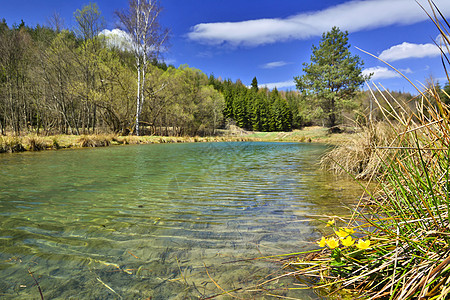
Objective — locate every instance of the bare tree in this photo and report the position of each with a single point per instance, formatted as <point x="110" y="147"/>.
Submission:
<point x="141" y="22"/>
<point x="89" y="23"/>
<point x="56" y="22"/>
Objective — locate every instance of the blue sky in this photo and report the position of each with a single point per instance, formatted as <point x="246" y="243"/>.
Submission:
<point x="271" y="39"/>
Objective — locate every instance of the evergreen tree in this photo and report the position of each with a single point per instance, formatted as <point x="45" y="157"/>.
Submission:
<point x="252" y="110"/>
<point x="228" y="96"/>
<point x="240" y="106"/>
<point x="264" y="99"/>
<point x="255" y="84"/>
<point x="333" y="76"/>
<point x="285" y="115"/>
<point x="274" y="111"/>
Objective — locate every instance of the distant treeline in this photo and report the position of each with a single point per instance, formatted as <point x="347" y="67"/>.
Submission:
<point x="57" y="81"/>
<point x="254" y="108"/>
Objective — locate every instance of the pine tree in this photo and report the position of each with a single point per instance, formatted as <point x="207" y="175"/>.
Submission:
<point x="240" y="106"/>
<point x="255" y="84"/>
<point x="228" y="96"/>
<point x="333" y="76"/>
<point x="264" y="98"/>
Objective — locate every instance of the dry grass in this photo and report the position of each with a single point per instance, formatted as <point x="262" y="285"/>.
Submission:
<point x="95" y="140"/>
<point x="36" y="143"/>
<point x="11" y="144"/>
<point x="361" y="154"/>
<point x="407" y="220"/>
<point x="403" y="231"/>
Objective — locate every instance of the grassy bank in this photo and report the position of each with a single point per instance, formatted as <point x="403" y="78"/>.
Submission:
<point x="11" y="144"/>
<point x="396" y="242"/>
<point x="315" y="134"/>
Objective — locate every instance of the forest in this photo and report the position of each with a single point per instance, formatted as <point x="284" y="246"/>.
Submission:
<point x="59" y="81"/>
<point x="55" y="81"/>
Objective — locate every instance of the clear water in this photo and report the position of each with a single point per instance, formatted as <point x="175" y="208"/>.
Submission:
<point x="152" y="221"/>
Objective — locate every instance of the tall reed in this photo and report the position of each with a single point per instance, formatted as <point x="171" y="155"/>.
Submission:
<point x="397" y="242"/>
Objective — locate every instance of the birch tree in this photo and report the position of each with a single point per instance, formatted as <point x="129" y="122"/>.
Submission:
<point x="141" y="22"/>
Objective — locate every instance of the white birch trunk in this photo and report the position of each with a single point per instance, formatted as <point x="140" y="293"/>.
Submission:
<point x="138" y="64"/>
<point x="142" y="24"/>
<point x="138" y="98"/>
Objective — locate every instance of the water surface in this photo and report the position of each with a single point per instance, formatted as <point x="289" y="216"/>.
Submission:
<point x="152" y="221"/>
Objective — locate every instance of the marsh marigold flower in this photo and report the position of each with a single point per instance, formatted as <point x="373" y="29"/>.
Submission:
<point x="348" y="241"/>
<point x="330" y="223"/>
<point x="341" y="233"/>
<point x="332" y="243"/>
<point x="363" y="244"/>
<point x="349" y="230"/>
<point x="322" y="242"/>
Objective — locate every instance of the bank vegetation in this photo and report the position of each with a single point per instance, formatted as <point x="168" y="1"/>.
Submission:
<point x="85" y="81"/>
<point x="395" y="244"/>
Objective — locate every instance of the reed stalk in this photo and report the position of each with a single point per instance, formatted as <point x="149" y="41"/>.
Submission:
<point x="397" y="244"/>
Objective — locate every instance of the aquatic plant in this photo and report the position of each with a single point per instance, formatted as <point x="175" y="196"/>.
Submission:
<point x="403" y="227"/>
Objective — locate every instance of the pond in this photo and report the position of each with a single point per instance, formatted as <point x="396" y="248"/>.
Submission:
<point x="165" y="221"/>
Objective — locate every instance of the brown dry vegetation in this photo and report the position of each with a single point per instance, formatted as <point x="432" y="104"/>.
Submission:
<point x="402" y="226"/>
<point x="10" y="144"/>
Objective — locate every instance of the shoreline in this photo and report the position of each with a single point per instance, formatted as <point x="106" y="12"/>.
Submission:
<point x="32" y="142"/>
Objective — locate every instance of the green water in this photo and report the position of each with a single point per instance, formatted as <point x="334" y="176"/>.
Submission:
<point x="136" y="222"/>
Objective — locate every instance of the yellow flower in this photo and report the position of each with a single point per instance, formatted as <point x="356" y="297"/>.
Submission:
<point x="362" y="245"/>
<point x="341" y="233"/>
<point x="322" y="242"/>
<point x="349" y="230"/>
<point x="344" y="232"/>
<point x="348" y="241"/>
<point x="330" y="223"/>
<point x="332" y="243"/>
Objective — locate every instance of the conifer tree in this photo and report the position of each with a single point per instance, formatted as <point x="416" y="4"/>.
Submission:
<point x="255" y="84"/>
<point x="333" y="76"/>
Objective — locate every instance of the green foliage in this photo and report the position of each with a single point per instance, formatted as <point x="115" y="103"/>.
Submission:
<point x="256" y="109"/>
<point x="255" y="84"/>
<point x="333" y="76"/>
<point x="89" y="21"/>
<point x="74" y="83"/>
<point x="240" y="112"/>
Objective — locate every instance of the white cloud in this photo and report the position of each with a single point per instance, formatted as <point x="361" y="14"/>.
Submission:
<point x="352" y="16"/>
<point x="274" y="64"/>
<point x="122" y="40"/>
<point x="406" y="71"/>
<point x="408" y="50"/>
<point x="118" y="38"/>
<point x="380" y="73"/>
<point x="278" y="85"/>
